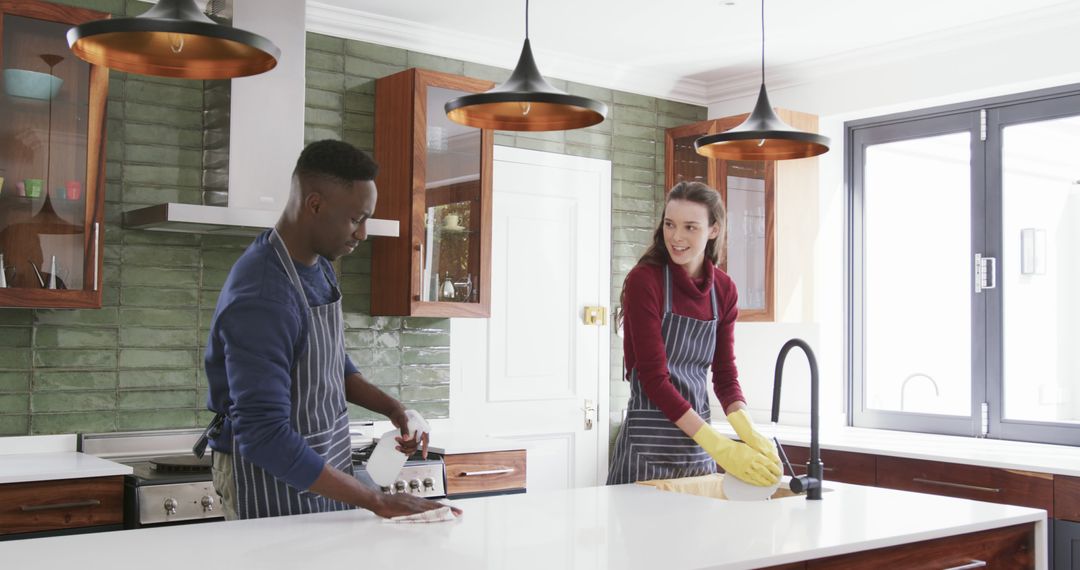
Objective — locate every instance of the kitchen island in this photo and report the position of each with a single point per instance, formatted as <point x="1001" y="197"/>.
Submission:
<point x="626" y="526"/>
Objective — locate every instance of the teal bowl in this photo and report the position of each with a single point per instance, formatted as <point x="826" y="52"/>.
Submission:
<point x="31" y="84"/>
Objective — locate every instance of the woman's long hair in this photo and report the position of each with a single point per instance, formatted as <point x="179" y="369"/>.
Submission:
<point x="657" y="253"/>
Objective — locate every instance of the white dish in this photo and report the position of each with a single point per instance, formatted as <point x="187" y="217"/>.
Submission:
<point x="736" y="489"/>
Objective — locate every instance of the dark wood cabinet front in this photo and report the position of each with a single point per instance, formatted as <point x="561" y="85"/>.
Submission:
<point x="61" y="504"/>
<point x="1010" y="547"/>
<point x="842" y="466"/>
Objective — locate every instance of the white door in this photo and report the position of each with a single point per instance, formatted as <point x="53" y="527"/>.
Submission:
<point x="530" y="371"/>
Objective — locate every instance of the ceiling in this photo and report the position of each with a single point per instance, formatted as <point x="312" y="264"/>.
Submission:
<point x="697" y="51"/>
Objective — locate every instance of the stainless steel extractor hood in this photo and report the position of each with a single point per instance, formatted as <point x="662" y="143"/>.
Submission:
<point x="266" y="134"/>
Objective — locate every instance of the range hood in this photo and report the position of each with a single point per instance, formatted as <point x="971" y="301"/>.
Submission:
<point x="266" y="134"/>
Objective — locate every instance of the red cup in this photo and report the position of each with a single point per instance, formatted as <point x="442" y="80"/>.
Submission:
<point x="74" y="190"/>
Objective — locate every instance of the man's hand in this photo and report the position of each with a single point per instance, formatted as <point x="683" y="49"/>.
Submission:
<point x="400" y="504"/>
<point x="414" y="431"/>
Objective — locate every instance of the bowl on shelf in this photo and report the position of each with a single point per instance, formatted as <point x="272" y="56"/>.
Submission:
<point x="31" y="84"/>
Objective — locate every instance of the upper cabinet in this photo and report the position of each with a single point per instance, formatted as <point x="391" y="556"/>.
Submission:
<point x="52" y="142"/>
<point x="749" y="190"/>
<point x="435" y="180"/>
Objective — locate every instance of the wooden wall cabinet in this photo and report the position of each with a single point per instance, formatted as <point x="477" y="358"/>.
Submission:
<point x="435" y="180"/>
<point x="64" y="504"/>
<point x="52" y="160"/>
<point x="749" y="190"/>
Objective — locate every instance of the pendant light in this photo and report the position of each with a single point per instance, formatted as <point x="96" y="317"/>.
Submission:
<point x="173" y="39"/>
<point x="763" y="135"/>
<point x="525" y="102"/>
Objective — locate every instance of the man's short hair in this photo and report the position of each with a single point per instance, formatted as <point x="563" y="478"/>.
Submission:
<point x="336" y="159"/>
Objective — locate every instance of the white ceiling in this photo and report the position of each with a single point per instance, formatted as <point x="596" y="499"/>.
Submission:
<point x="697" y="51"/>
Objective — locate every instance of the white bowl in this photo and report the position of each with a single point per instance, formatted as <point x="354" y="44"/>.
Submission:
<point x="31" y="84"/>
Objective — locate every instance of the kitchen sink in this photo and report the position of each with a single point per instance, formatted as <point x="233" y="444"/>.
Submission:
<point x="710" y="486"/>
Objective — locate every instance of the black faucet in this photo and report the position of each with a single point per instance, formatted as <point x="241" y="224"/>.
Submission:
<point x="812" y="481"/>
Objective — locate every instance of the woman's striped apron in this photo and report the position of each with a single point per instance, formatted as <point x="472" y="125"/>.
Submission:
<point x="649" y="445"/>
<point x="319" y="412"/>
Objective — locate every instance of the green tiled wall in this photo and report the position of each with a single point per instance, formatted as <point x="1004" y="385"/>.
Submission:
<point x="136" y="362"/>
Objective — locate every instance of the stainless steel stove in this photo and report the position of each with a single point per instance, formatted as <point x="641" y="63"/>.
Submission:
<point x="421" y="477"/>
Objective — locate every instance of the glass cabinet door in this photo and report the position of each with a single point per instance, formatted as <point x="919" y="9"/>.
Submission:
<point x="687" y="165"/>
<point x="747" y="191"/>
<point x="50" y="164"/>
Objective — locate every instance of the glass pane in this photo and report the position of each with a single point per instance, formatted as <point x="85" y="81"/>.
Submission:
<point x="452" y="215"/>
<point x="43" y="122"/>
<point x="1040" y="270"/>
<point x="689" y="166"/>
<point x="746" y="231"/>
<point x="918" y="275"/>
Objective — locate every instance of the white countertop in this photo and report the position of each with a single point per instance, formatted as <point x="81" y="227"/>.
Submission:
<point x="24" y="467"/>
<point x="1024" y="456"/>
<point x="625" y="526"/>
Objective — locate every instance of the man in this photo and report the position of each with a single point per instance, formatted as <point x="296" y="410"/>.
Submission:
<point x="276" y="362"/>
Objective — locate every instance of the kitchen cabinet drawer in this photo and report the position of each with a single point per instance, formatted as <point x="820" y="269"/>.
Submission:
<point x="1067" y="498"/>
<point x="842" y="466"/>
<point x="988" y="484"/>
<point x="495" y="472"/>
<point x="1009" y="547"/>
<point x="67" y="503"/>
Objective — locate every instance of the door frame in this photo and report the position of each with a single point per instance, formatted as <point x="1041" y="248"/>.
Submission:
<point x="603" y="226"/>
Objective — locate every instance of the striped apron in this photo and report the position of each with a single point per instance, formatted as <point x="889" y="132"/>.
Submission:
<point x="649" y="445"/>
<point x="318" y="412"/>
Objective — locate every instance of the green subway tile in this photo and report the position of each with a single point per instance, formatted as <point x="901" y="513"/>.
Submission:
<point x="107" y="316"/>
<point x="628" y="189"/>
<point x="14" y="403"/>
<point x="633" y="220"/>
<point x="632" y="174"/>
<point x="214" y="278"/>
<point x="325" y="80"/>
<point x="598" y="93"/>
<point x="146" y="358"/>
<point x="164" y="175"/>
<point x="375" y="52"/>
<point x="356" y="266"/>
<point x="157" y="378"/>
<point x="325" y="61"/>
<point x="220" y="259"/>
<point x="159" y="95"/>
<point x="626" y="114"/>
<point x="158" y="419"/>
<point x="134" y="275"/>
<point x="636" y="131"/>
<point x="543" y="146"/>
<point x="14" y="381"/>
<point x="88" y="358"/>
<point x="505" y="139"/>
<point x="143" y="336"/>
<point x="391" y="339"/>
<point x="323" y="99"/>
<point x="323" y="118"/>
<point x="633" y="250"/>
<point x="14" y="337"/>
<point x="632" y="205"/>
<point x="496" y="75"/>
<point x="67" y="337"/>
<point x="312" y="134"/>
<point x="554" y="136"/>
<point x="426" y="324"/>
<point x="203" y="416"/>
<point x="161" y="256"/>
<point x="586" y="137"/>
<point x="669" y="121"/>
<point x="15" y="358"/>
<point x="623" y="158"/>
<point x="425" y="356"/>
<point x="356" y="413"/>
<point x="139" y="237"/>
<point x="356" y="304"/>
<point x="435" y="63"/>
<point x="359" y="85"/>
<point x="432" y="409"/>
<point x="136" y="133"/>
<point x="15" y="425"/>
<point x="588" y="151"/>
<point x="369" y="69"/>
<point x="383" y="376"/>
<point x="421" y="340"/>
<point x="323" y="42"/>
<point x="114" y="110"/>
<point x="359" y="122"/>
<point x="208" y="299"/>
<point x="635" y="100"/>
<point x="364" y="358"/>
<point x="363" y="321"/>
<point x="45" y="380"/>
<point x="110" y="297"/>
<point x="113" y="170"/>
<point x="359" y="338"/>
<point x="693" y="113"/>
<point x="14" y="317"/>
<point x="163" y="155"/>
<point x="155" y="399"/>
<point x="359" y="102"/>
<point x="80" y="401"/>
<point x="425" y="374"/>
<point x="362" y="140"/>
<point x="73" y="423"/>
<point x="163" y="115"/>
<point x="642" y="146"/>
<point x="425" y="393"/>
<point x="157" y="297"/>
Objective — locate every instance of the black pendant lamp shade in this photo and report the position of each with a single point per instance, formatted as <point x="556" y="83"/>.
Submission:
<point x="526" y="102"/>
<point x="173" y="39"/>
<point x="762" y="136"/>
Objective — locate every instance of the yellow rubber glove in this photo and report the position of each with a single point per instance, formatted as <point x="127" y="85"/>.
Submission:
<point x="738" y="459"/>
<point x="744" y="426"/>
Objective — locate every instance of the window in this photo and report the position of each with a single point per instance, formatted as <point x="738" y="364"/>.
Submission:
<point x="964" y="266"/>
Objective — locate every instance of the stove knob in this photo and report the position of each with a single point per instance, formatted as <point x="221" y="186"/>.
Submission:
<point x="170" y="506"/>
<point x="414" y="486"/>
<point x="429" y="483"/>
<point x="386" y="489"/>
<point x="207" y="503"/>
<point x="399" y="486"/>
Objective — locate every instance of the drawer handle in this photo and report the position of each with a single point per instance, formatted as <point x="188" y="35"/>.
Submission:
<point x="969" y="565"/>
<point x="55" y="506"/>
<point x="502" y="471"/>
<point x="803" y="467"/>
<point x="956" y="486"/>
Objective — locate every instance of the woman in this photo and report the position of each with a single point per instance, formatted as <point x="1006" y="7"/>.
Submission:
<point x="679" y="312"/>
